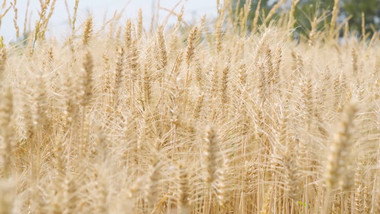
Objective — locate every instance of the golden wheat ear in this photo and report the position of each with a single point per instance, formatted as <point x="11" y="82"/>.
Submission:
<point x="183" y="200"/>
<point x="7" y="196"/>
<point x="6" y="112"/>
<point x="87" y="32"/>
<point x="340" y="148"/>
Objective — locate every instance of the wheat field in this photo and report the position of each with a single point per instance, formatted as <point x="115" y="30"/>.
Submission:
<point x="201" y="118"/>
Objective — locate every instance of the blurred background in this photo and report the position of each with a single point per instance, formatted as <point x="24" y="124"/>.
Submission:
<point x="361" y="14"/>
<point x="101" y="10"/>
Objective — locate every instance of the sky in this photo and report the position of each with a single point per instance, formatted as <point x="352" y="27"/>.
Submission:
<point x="58" y="25"/>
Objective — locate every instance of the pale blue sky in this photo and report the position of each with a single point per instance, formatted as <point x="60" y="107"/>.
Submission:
<point x="59" y="22"/>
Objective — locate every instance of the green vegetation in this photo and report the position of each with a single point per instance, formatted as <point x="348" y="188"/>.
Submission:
<point x="307" y="10"/>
